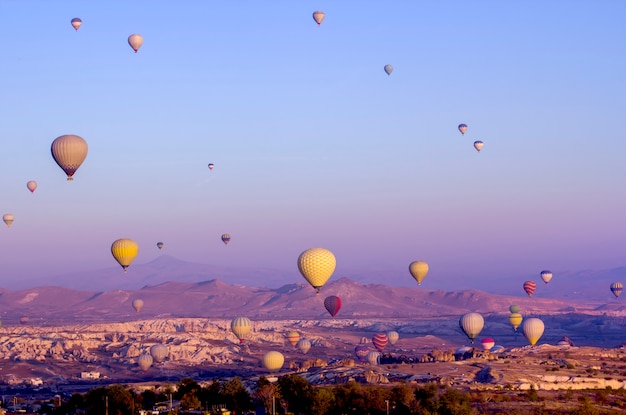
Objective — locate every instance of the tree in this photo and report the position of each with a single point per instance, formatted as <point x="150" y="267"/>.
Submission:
<point x="323" y="401"/>
<point x="236" y="396"/>
<point x="266" y="394"/>
<point x="297" y="393"/>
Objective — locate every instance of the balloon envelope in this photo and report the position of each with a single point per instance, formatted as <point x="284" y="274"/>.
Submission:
<point x="304" y="346"/>
<point x="515" y="319"/>
<point x="546" y="276"/>
<point x="69" y="151"/>
<point x="241" y="326"/>
<point x="76" y="22"/>
<point x="514" y="308"/>
<point x="388" y="69"/>
<point x="31" y="185"/>
<point x="273" y="361"/>
<point x="316" y="266"/>
<point x="226" y="238"/>
<point x="418" y="270"/>
<point x="332" y="304"/>
<point x="462" y="128"/>
<point x="318" y="16"/>
<point x="159" y="352"/>
<point x="361" y="352"/>
<point x="478" y="145"/>
<point x="393" y="336"/>
<point x="8" y="219"/>
<point x="124" y="251"/>
<point x="160" y="245"/>
<point x="380" y="341"/>
<point x="293" y="337"/>
<point x="135" y="41"/>
<point x="616" y="288"/>
<point x="471" y="324"/>
<point x="487" y="343"/>
<point x="373" y="357"/>
<point x="529" y="287"/>
<point x="533" y="330"/>
<point x="138" y="304"/>
<point x="211" y="166"/>
<point x="145" y="361"/>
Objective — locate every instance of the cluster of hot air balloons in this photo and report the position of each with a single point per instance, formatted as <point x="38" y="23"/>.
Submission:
<point x="530" y="286"/>
<point x="135" y="40"/>
<point x="473" y="323"/>
<point x="478" y="145"/>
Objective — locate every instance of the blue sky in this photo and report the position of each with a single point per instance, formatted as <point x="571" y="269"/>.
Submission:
<point x="313" y="144"/>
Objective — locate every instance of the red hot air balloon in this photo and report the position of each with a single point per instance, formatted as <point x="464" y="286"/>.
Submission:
<point x="529" y="287"/>
<point x="332" y="304"/>
<point x="380" y="341"/>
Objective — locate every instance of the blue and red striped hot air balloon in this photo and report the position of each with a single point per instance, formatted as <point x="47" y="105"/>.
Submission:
<point x="380" y="341"/>
<point x="332" y="304"/>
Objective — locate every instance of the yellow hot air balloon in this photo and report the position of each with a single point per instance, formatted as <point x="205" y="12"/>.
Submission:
<point x="273" y="361"/>
<point x="69" y="151"/>
<point x="418" y="270"/>
<point x="316" y="266"/>
<point x="533" y="330"/>
<point x="138" y="304"/>
<point x="124" y="251"/>
<point x="241" y="326"/>
<point x="8" y="219"/>
<point x="318" y="16"/>
<point x="135" y="41"/>
<point x="76" y="22"/>
<point x="293" y="337"/>
<point x="515" y="319"/>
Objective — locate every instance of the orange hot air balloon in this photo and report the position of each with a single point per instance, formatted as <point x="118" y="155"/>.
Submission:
<point x="31" y="185"/>
<point x="293" y="337"/>
<point x="318" y="16"/>
<point x="69" y="151"/>
<point x="529" y="287"/>
<point x="76" y="22"/>
<point x="135" y="41"/>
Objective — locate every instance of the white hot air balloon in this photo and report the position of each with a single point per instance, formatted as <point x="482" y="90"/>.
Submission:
<point x="373" y="358"/>
<point x="388" y="69"/>
<point x="393" y="336"/>
<point x="471" y="324"/>
<point x="145" y="361"/>
<point x="135" y="41"/>
<point x="318" y="16"/>
<point x="304" y="345"/>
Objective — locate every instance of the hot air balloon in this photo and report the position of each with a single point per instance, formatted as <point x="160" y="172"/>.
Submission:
<point x="211" y="166"/>
<point x="529" y="287"/>
<point x="24" y="320"/>
<point x="31" y="185"/>
<point x="514" y="308"/>
<point x="273" y="361"/>
<point x="616" y="288"/>
<point x="388" y="69"/>
<point x="226" y="238"/>
<point x="138" y="304"/>
<point x="144" y="361"/>
<point x="241" y="326"/>
<point x="418" y="270"/>
<point x="364" y="340"/>
<point x="478" y="145"/>
<point x="462" y="128"/>
<point x="361" y="351"/>
<point x="332" y="304"/>
<point x="546" y="276"/>
<point x="159" y="352"/>
<point x="293" y="337"/>
<point x="124" y="251"/>
<point x="471" y="324"/>
<point x="393" y="336"/>
<point x="316" y="266"/>
<point x="304" y="345"/>
<point x="135" y="41"/>
<point x="76" y="22"/>
<point x="380" y="341"/>
<point x="515" y="319"/>
<point x="373" y="358"/>
<point x="533" y="330"/>
<point x="160" y="245"/>
<point x="487" y="343"/>
<point x="69" y="151"/>
<point x="8" y="219"/>
<point x="318" y="16"/>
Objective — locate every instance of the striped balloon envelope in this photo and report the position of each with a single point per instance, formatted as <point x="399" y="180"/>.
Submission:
<point x="529" y="287"/>
<point x="380" y="341"/>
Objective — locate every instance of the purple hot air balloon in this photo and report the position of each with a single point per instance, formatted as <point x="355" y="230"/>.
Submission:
<point x="361" y="351"/>
<point x="332" y="304"/>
